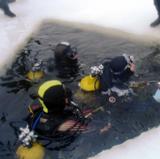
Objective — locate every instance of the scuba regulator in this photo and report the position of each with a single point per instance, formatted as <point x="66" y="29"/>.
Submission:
<point x="27" y="136"/>
<point x="97" y="70"/>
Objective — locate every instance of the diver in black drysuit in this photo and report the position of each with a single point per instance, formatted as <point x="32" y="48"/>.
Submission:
<point x="4" y="6"/>
<point x="157" y="21"/>
<point x="52" y="108"/>
<point x="116" y="73"/>
<point x="66" y="60"/>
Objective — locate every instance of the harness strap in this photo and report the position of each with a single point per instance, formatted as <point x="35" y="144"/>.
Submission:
<point x="35" y="123"/>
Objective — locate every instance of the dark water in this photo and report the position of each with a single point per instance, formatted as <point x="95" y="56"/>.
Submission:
<point x="129" y="116"/>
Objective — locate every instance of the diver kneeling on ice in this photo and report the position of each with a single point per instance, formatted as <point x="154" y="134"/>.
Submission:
<point x="66" y="59"/>
<point x="54" y="111"/>
<point x="111" y="76"/>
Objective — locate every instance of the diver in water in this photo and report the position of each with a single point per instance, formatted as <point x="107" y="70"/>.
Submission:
<point x="54" y="112"/>
<point x="116" y="73"/>
<point x="4" y="6"/>
<point x="66" y="59"/>
<point x="111" y="76"/>
<point x="157" y="21"/>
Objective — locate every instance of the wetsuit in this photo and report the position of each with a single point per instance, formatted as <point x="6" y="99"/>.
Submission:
<point x="52" y="107"/>
<point x="47" y="124"/>
<point x="65" y="70"/>
<point x="115" y="72"/>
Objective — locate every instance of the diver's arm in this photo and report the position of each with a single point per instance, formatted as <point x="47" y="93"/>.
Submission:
<point x="106" y="80"/>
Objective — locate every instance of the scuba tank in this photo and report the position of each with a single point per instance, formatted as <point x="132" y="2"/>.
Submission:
<point x="36" y="72"/>
<point x="91" y="82"/>
<point x="30" y="149"/>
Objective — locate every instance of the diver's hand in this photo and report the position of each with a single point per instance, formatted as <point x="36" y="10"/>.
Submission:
<point x="108" y="92"/>
<point x="133" y="67"/>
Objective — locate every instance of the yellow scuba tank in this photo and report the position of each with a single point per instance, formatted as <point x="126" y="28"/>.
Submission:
<point x="36" y="72"/>
<point x="35" y="75"/>
<point x="89" y="83"/>
<point x="35" y="152"/>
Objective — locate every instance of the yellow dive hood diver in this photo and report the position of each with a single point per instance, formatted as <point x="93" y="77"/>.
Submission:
<point x="43" y="88"/>
<point x="35" y="152"/>
<point x="89" y="83"/>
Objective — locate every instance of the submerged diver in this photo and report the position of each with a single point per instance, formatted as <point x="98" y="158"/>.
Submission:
<point x="66" y="59"/>
<point x="54" y="111"/>
<point x="4" y="6"/>
<point x="157" y="21"/>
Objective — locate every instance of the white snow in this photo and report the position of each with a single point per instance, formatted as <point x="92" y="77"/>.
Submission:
<point x="146" y="146"/>
<point x="133" y="16"/>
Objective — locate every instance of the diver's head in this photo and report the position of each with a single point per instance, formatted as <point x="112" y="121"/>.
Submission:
<point x="129" y="58"/>
<point x="54" y="97"/>
<point x="64" y="51"/>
